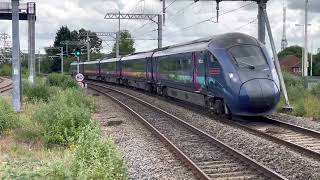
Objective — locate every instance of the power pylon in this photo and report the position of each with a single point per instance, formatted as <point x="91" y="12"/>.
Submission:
<point x="149" y="17"/>
<point x="284" y="41"/>
<point x="90" y="34"/>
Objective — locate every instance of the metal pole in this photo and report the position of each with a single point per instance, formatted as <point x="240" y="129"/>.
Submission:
<point x="88" y="46"/>
<point x="31" y="33"/>
<point x="39" y="62"/>
<point x="118" y="38"/>
<point x="164" y="12"/>
<point x="67" y="51"/>
<point x="78" y="66"/>
<point x="61" y="56"/>
<point x="276" y="60"/>
<point x="305" y="63"/>
<point x="311" y="68"/>
<point x="16" y="66"/>
<point x="159" y="31"/>
<point x="302" y="62"/>
<point x="261" y="22"/>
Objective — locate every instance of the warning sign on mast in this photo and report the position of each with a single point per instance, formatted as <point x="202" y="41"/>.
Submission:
<point x="79" y="77"/>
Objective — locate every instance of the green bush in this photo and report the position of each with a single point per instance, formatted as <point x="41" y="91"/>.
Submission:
<point x="76" y="97"/>
<point x="96" y="158"/>
<point x="64" y="116"/>
<point x="316" y="91"/>
<point x="292" y="80"/>
<point x="5" y="70"/>
<point x="312" y="106"/>
<point x="8" y="119"/>
<point x="61" y="80"/>
<point x="37" y="92"/>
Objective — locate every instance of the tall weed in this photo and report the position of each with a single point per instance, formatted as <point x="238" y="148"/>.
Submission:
<point x="96" y="158"/>
<point x="65" y="115"/>
<point x="8" y="119"/>
<point x="36" y="92"/>
<point x="61" y="80"/>
<point x="5" y="70"/>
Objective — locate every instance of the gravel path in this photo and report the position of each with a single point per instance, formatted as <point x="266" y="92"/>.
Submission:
<point x="146" y="156"/>
<point x="285" y="161"/>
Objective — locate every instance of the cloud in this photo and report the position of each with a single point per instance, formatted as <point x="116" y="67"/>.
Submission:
<point x="185" y="20"/>
<point x="314" y="5"/>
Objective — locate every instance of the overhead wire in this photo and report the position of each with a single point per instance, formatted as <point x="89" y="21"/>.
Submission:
<point x="172" y="2"/>
<point x="210" y="19"/>
<point x="131" y="10"/>
<point x="245" y="25"/>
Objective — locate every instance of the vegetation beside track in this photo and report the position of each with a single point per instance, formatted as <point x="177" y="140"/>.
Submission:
<point x="55" y="137"/>
<point x="305" y="102"/>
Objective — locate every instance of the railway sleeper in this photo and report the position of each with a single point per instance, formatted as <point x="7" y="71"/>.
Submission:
<point x="237" y="174"/>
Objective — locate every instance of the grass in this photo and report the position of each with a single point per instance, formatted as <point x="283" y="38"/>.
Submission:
<point x="55" y="137"/>
<point x="64" y="116"/>
<point x="8" y="119"/>
<point x="61" y="81"/>
<point x="5" y="70"/>
<point x="306" y="103"/>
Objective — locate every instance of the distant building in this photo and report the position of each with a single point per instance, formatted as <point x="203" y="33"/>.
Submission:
<point x="292" y="65"/>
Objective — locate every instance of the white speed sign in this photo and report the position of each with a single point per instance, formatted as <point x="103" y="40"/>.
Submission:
<point x="79" y="77"/>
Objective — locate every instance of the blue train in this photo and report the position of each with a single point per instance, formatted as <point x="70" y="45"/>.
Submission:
<point x="229" y="74"/>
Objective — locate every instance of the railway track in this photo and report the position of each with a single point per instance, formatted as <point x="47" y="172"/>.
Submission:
<point x="208" y="157"/>
<point x="297" y="138"/>
<point x="5" y="86"/>
<point x="303" y="140"/>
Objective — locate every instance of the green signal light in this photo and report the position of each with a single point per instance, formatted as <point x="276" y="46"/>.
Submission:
<point x="78" y="53"/>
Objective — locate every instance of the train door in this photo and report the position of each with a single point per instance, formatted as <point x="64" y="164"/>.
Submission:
<point x="199" y="75"/>
<point x="149" y="69"/>
<point x="214" y="75"/>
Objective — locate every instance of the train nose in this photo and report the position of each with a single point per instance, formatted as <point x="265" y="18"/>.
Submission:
<point x="259" y="95"/>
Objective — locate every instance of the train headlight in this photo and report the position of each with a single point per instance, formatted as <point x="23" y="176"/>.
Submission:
<point x="233" y="77"/>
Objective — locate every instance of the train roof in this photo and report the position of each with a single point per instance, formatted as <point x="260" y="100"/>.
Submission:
<point x="232" y="39"/>
<point x="90" y="62"/>
<point x="184" y="48"/>
<point x="110" y="60"/>
<point x="218" y="41"/>
<point x="141" y="55"/>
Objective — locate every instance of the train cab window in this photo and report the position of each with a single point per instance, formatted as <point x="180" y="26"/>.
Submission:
<point x="248" y="56"/>
<point x="213" y="59"/>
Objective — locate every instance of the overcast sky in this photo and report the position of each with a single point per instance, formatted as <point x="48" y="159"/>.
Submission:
<point x="76" y="14"/>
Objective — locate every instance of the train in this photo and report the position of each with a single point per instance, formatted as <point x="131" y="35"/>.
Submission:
<point x="229" y="74"/>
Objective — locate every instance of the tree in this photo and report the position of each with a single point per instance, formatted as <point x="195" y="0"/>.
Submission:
<point x="64" y="34"/>
<point x="316" y="65"/>
<point x="95" y="41"/>
<point x="126" y="45"/>
<point x="292" y="50"/>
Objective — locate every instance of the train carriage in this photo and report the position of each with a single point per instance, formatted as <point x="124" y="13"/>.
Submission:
<point x="110" y="70"/>
<point x="73" y="69"/>
<point x="228" y="73"/>
<point x="136" y="70"/>
<point x="90" y="70"/>
<point x="180" y="72"/>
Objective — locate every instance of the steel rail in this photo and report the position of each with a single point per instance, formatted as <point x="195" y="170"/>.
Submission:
<point x="198" y="172"/>
<point x="301" y="129"/>
<point x="6" y="87"/>
<point x="294" y="146"/>
<point x="261" y="168"/>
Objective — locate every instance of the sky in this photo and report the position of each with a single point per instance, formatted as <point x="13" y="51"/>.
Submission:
<point x="182" y="20"/>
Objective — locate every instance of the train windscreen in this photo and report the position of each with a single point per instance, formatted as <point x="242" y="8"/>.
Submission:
<point x="248" y="56"/>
